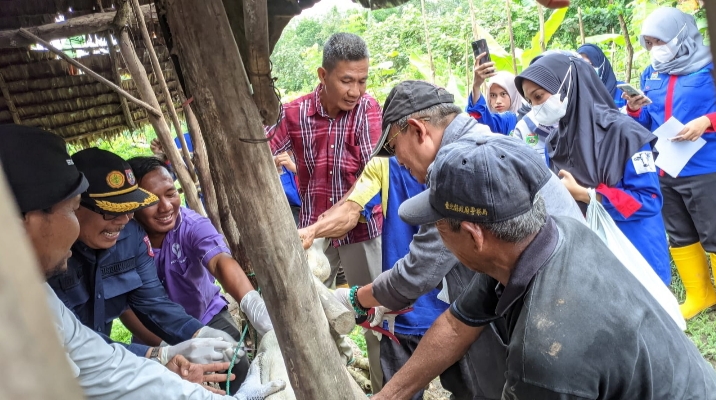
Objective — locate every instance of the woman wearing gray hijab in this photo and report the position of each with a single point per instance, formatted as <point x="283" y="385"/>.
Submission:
<point x="679" y="82"/>
<point x="596" y="146"/>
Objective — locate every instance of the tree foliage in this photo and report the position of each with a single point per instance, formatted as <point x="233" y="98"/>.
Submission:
<point x="396" y="39"/>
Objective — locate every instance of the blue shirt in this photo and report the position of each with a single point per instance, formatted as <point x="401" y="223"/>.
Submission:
<point x="685" y="97"/>
<point x="397" y="236"/>
<point x="617" y="95"/>
<point x="498" y="122"/>
<point x="642" y="224"/>
<point x="100" y="284"/>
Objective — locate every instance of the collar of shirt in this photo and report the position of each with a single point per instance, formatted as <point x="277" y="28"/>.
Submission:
<point x="315" y="106"/>
<point x="537" y="253"/>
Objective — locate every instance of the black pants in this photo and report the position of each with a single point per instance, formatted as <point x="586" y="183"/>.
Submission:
<point x="689" y="210"/>
<point x="223" y="321"/>
<point x="393" y="356"/>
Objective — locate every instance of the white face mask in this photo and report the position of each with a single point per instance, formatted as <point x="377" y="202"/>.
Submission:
<point x="666" y="52"/>
<point x="553" y="109"/>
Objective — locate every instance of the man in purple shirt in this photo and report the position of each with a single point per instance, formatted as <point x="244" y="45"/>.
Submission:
<point x="190" y="255"/>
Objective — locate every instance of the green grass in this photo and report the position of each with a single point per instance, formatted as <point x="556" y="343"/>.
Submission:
<point x="358" y="338"/>
<point x="700" y="329"/>
<point x="120" y="333"/>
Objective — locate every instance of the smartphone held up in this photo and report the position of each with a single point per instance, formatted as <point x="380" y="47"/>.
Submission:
<point x="479" y="47"/>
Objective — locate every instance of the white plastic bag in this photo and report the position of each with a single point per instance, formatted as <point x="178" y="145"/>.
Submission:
<point x="603" y="225"/>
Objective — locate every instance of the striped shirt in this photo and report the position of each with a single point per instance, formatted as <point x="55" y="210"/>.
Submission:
<point x="330" y="155"/>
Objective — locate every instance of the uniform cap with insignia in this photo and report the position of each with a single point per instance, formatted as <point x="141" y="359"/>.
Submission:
<point x="38" y="168"/>
<point x="113" y="190"/>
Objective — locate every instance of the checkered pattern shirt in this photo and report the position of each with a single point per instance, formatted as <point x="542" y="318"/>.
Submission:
<point x="330" y="154"/>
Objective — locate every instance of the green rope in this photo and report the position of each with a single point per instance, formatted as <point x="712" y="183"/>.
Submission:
<point x="233" y="359"/>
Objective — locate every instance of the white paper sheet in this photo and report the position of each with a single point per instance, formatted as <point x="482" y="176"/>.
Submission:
<point x="673" y="156"/>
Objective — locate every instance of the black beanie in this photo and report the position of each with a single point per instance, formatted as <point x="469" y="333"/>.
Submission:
<point x="38" y="168"/>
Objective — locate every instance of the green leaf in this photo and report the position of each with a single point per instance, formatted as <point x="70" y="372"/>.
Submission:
<point x="550" y="27"/>
<point x="495" y="48"/>
<point x="606" y="38"/>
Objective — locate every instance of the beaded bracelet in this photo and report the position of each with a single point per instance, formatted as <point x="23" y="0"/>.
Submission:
<point x="353" y="296"/>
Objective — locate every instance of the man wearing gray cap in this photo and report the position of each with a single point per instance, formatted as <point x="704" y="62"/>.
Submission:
<point x="418" y="119"/>
<point x="558" y="288"/>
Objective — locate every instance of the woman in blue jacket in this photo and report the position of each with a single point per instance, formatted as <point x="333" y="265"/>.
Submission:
<point x="679" y="83"/>
<point x="595" y="56"/>
<point x="597" y="146"/>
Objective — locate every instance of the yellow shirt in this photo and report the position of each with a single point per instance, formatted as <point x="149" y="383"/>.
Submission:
<point x="375" y="178"/>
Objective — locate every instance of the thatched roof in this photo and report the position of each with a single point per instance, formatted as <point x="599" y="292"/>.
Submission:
<point x="49" y="92"/>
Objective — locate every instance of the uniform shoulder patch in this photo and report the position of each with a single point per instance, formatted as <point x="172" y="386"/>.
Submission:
<point x="149" y="246"/>
<point x="643" y="162"/>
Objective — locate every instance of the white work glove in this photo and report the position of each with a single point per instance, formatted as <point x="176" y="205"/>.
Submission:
<point x="208" y="332"/>
<point x="380" y="315"/>
<point x="255" y="309"/>
<point x="252" y="389"/>
<point x="343" y="297"/>
<point x="198" y="351"/>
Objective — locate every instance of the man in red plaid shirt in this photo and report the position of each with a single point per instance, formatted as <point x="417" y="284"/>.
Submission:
<point x="332" y="132"/>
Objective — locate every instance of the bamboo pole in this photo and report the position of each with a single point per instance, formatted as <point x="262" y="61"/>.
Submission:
<point x="581" y="25"/>
<point x="473" y="21"/>
<point x="152" y="110"/>
<point x="83" y="25"/>
<point x="118" y="79"/>
<point x="540" y="12"/>
<point x="214" y="76"/>
<point x="512" y="36"/>
<point x="163" y="85"/>
<point x="139" y="75"/>
<point x="258" y="64"/>
<point x="8" y="100"/>
<point x="202" y="167"/>
<point x="629" y="47"/>
<point x="427" y="43"/>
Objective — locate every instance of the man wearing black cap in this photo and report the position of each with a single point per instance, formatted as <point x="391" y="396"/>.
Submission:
<point x="112" y="266"/>
<point x="418" y="119"/>
<point x="47" y="185"/>
<point x="558" y="288"/>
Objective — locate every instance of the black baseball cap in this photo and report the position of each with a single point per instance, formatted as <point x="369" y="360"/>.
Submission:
<point x="406" y="98"/>
<point x="38" y="168"/>
<point x="483" y="178"/>
<point x="113" y="189"/>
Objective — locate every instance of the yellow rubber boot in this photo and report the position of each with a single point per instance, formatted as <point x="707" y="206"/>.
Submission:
<point x="694" y="272"/>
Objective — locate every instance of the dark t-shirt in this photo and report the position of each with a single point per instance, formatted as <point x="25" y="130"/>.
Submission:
<point x="581" y="326"/>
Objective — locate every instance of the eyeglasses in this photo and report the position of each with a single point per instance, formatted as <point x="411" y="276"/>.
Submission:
<point x="388" y="148"/>
<point x="105" y="216"/>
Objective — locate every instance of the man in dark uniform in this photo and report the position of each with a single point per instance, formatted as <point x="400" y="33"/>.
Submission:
<point x="112" y="266"/>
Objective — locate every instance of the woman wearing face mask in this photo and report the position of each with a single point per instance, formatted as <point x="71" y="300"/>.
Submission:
<point x="507" y="113"/>
<point x="595" y="56"/>
<point x="679" y="83"/>
<point x="596" y="146"/>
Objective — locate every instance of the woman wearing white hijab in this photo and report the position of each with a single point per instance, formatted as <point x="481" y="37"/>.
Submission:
<point x="679" y="83"/>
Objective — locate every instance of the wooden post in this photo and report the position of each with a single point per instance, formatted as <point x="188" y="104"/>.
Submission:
<point x="427" y="42"/>
<point x="214" y="76"/>
<point x="8" y="100"/>
<point x="118" y="79"/>
<point x="512" y="36"/>
<point x="141" y="81"/>
<point x="581" y="26"/>
<point x="165" y="89"/>
<point x="154" y="111"/>
<point x="202" y="167"/>
<point x="540" y="12"/>
<point x="258" y="64"/>
<point x="29" y="342"/>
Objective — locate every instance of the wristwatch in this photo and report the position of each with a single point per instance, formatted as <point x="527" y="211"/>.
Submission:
<point x="154" y="355"/>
